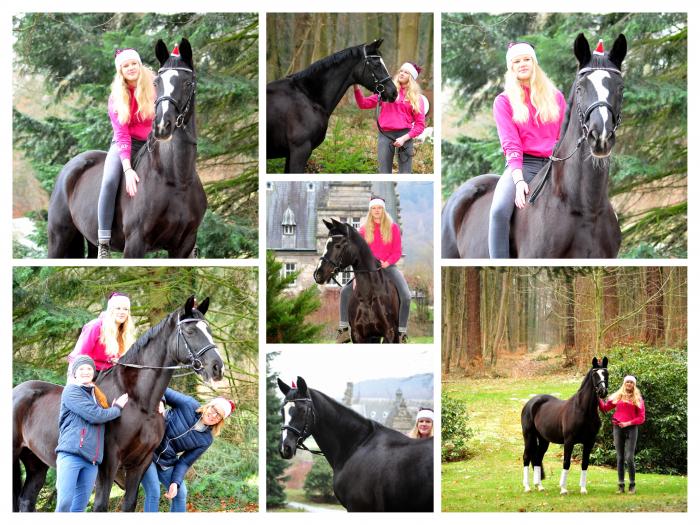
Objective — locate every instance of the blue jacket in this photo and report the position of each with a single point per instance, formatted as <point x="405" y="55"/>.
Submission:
<point x="81" y="423"/>
<point x="182" y="444"/>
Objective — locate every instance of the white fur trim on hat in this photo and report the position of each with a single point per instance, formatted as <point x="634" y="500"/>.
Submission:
<point x="118" y="298"/>
<point x="425" y="414"/>
<point x="411" y="69"/>
<point x="223" y="405"/>
<point x="519" y="49"/>
<point x="630" y="378"/>
<point x="123" y="56"/>
<point x="377" y="202"/>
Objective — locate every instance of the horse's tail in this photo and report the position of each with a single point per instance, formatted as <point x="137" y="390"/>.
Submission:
<point x="454" y="211"/>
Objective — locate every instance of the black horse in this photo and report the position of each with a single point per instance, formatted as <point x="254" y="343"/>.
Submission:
<point x="546" y="419"/>
<point x="144" y="372"/>
<point x="299" y="106"/>
<point x="373" y="309"/>
<point x="573" y="216"/>
<point x="375" y="468"/>
<point x="170" y="203"/>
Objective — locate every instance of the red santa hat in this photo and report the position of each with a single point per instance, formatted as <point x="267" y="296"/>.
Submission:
<point x="599" y="48"/>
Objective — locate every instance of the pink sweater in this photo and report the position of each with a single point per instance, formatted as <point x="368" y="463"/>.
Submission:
<point x="395" y="115"/>
<point x="89" y="344"/>
<point x="624" y="412"/>
<point x="389" y="252"/>
<point x="136" y="127"/>
<point x="532" y="137"/>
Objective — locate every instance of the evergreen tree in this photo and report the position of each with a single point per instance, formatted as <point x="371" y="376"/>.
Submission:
<point x="318" y="485"/>
<point x="275" y="465"/>
<point x="286" y="314"/>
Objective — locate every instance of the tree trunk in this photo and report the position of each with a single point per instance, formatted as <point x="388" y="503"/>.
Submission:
<point x="446" y="318"/>
<point x="473" y="324"/>
<point x="408" y="37"/>
<point x="569" y="321"/>
<point x="654" y="319"/>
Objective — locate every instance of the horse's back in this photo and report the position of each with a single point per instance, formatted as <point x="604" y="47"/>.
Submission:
<point x="465" y="219"/>
<point x="35" y="409"/>
<point x="543" y="414"/>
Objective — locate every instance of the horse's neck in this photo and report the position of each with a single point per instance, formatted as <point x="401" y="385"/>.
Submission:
<point x="177" y="158"/>
<point x="584" y="178"/>
<point x="586" y="396"/>
<point x="338" y="430"/>
<point x="329" y="85"/>
<point x="366" y="263"/>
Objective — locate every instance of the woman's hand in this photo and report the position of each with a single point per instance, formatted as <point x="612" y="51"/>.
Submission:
<point x="172" y="491"/>
<point x="121" y="400"/>
<point x="161" y="408"/>
<point x="401" y="141"/>
<point x="521" y="190"/>
<point x="385" y="264"/>
<point x="131" y="178"/>
<point x="624" y="424"/>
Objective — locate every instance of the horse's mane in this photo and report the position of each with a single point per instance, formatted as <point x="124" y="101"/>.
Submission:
<point x="327" y="63"/>
<point x="354" y="235"/>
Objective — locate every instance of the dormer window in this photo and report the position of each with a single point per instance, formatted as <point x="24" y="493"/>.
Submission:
<point x="289" y="224"/>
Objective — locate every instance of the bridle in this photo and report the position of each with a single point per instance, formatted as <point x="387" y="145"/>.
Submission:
<point x="596" y="381"/>
<point x="186" y="109"/>
<point x="309" y="419"/>
<point x="338" y="267"/>
<point x="378" y="84"/>
<point x="582" y="118"/>
<point x="195" y="363"/>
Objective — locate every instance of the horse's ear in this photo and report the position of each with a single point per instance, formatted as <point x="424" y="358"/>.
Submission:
<point x="161" y="52"/>
<point x="189" y="304"/>
<point x="203" y="306"/>
<point x="619" y="51"/>
<point x="186" y="52"/>
<point x="595" y="362"/>
<point x="329" y="225"/>
<point x="301" y="386"/>
<point x="378" y="42"/>
<point x="284" y="387"/>
<point x="605" y="362"/>
<point x="582" y="50"/>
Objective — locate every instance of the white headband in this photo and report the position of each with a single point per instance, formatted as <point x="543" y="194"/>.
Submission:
<point x="425" y="414"/>
<point x="411" y="69"/>
<point x="223" y="404"/>
<point x="630" y="378"/>
<point x="111" y="303"/>
<point x="377" y="202"/>
<point x="521" y="48"/>
<point x="123" y="56"/>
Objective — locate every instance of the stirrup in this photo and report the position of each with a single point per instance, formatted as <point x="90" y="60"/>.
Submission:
<point x="103" y="250"/>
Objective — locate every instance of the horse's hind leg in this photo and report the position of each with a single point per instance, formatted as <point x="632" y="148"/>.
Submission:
<point x="568" y="449"/>
<point x="537" y="465"/>
<point x="587" y="447"/>
<point x="65" y="241"/>
<point x="298" y="157"/>
<point x="35" y="477"/>
<point x="105" y="478"/>
<point x="529" y="456"/>
<point x="131" y="486"/>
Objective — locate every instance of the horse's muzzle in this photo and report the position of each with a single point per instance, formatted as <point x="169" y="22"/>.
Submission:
<point x="287" y="451"/>
<point x="601" y="144"/>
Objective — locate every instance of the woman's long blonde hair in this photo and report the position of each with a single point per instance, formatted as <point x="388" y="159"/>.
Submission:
<point x="384" y="227"/>
<point x="216" y="427"/>
<point x="144" y="94"/>
<point x="413" y="91"/>
<point x="117" y="339"/>
<point x="542" y="96"/>
<point x="634" y="398"/>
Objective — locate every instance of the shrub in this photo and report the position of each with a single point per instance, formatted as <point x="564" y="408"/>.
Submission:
<point x="662" y="378"/>
<point x="318" y="485"/>
<point x="455" y="430"/>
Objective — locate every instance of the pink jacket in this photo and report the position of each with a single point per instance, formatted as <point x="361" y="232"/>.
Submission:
<point x="395" y="115"/>
<point x="624" y="412"/>
<point x="390" y="252"/>
<point x="136" y="127"/>
<point x="89" y="344"/>
<point x="532" y="137"/>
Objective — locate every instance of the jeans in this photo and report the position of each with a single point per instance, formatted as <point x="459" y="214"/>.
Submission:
<point x="394" y="275"/>
<point x="75" y="479"/>
<point x="625" y="440"/>
<point x="152" y="479"/>
<point x="386" y="152"/>
<point x="503" y="204"/>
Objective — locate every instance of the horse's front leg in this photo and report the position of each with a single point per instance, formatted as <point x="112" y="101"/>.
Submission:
<point x="105" y="478"/>
<point x="298" y="157"/>
<point x="186" y="249"/>
<point x="134" y="247"/>
<point x="568" y="449"/>
<point x="587" y="447"/>
<point x="132" y="482"/>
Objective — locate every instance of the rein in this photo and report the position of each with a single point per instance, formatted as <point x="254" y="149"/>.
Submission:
<point x="195" y="362"/>
<point x="582" y="118"/>
<point x="338" y="268"/>
<point x="304" y="432"/>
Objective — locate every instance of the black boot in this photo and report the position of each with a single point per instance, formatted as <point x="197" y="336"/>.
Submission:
<point x="621" y="488"/>
<point x="633" y="489"/>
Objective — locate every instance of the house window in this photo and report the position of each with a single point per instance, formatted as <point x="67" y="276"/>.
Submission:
<point x="290" y="268"/>
<point x="355" y="222"/>
<point x="288" y="229"/>
<point x="345" y="277"/>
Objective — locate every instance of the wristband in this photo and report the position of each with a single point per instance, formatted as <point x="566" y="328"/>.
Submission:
<point x="127" y="170"/>
<point x="521" y="180"/>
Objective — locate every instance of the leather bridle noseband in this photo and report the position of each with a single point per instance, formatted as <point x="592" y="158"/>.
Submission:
<point x="185" y="111"/>
<point x="305" y="432"/>
<point x="378" y="84"/>
<point x="337" y="267"/>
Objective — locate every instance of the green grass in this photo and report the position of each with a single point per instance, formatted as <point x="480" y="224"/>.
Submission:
<point x="298" y="496"/>
<point x="491" y="480"/>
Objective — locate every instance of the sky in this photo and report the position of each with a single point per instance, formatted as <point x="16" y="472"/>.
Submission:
<point x="330" y="368"/>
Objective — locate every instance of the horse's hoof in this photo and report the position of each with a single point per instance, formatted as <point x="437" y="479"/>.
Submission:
<point x="527" y="489"/>
<point x="563" y="492"/>
<point x="583" y="491"/>
<point x="540" y="488"/>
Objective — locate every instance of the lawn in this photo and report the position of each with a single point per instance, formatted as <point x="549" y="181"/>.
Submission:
<point x="491" y="480"/>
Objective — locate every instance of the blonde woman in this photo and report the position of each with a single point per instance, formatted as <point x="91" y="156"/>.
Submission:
<point x="384" y="239"/>
<point x="528" y="117"/>
<point x="190" y="430"/>
<point x="400" y="121"/>
<point x="108" y="337"/>
<point x="423" y="429"/>
<point x="131" y="109"/>
<point x="630" y="412"/>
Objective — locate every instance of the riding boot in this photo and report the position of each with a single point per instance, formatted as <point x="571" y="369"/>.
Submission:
<point x="103" y="249"/>
<point x="343" y="335"/>
<point x="632" y="489"/>
<point x="620" y="488"/>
